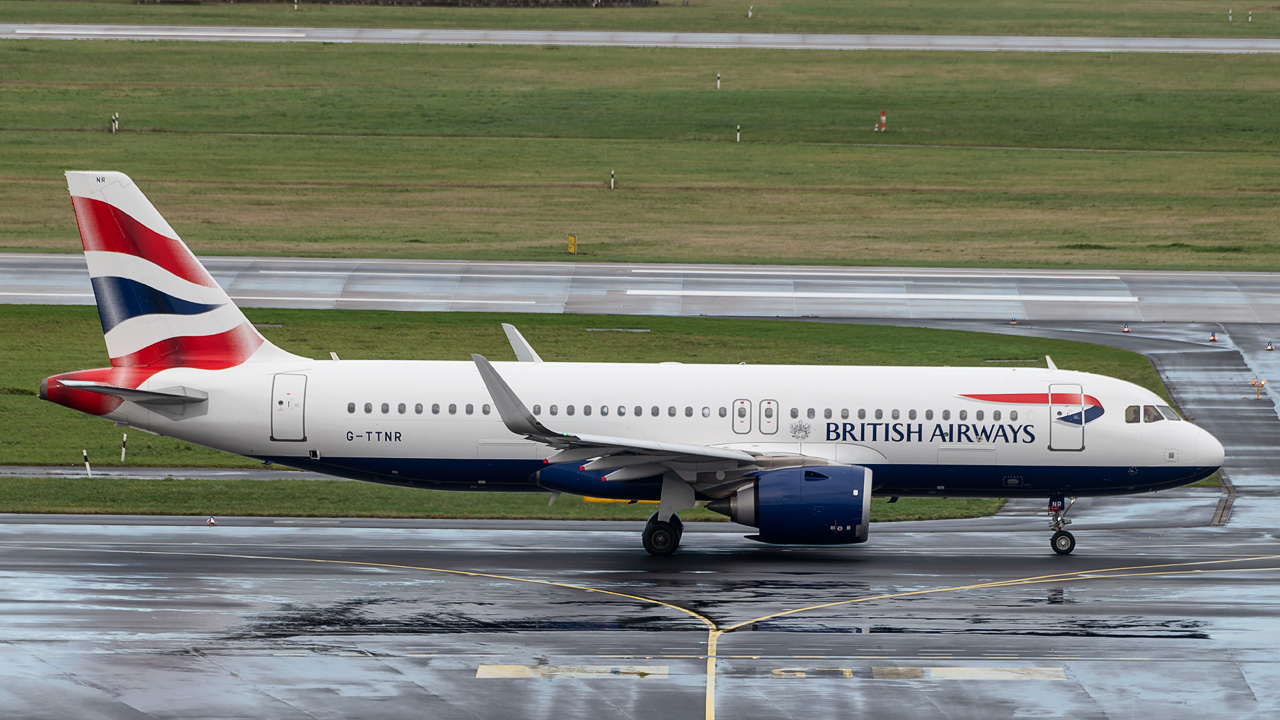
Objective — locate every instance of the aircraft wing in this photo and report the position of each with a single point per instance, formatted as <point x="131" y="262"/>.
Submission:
<point x="629" y="458"/>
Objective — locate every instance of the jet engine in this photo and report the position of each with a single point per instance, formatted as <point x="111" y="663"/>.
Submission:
<point x="822" y="505"/>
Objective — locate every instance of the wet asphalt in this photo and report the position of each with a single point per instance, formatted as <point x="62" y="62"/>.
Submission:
<point x="1167" y="608"/>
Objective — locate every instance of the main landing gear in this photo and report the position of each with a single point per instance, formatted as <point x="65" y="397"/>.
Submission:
<point x="1062" y="541"/>
<point x="662" y="538"/>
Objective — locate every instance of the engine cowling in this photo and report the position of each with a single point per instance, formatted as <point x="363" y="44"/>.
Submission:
<point x="823" y="505"/>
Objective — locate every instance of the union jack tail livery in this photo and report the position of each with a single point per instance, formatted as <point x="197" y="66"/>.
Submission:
<point x="158" y="305"/>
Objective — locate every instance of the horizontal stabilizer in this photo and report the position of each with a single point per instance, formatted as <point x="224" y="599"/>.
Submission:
<point x="167" y="396"/>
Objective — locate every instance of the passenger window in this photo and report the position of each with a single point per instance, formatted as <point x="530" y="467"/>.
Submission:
<point x="862" y="414"/>
<point x="1168" y="413"/>
<point x="946" y="414"/>
<point x="1013" y="415"/>
<point x="977" y="415"/>
<point x="879" y="414"/>
<point x="386" y="408"/>
<point x="894" y="415"/>
<point x="622" y="410"/>
<point x="706" y="412"/>
<point x="470" y="408"/>
<point x="1150" y="414"/>
<point x="795" y="413"/>
<point x="768" y="413"/>
<point x="568" y="409"/>
<point x="417" y="409"/>
<point x="964" y="414"/>
<point x="742" y="412"/>
<point x="485" y="408"/>
<point x="688" y="411"/>
<point x="671" y="411"/>
<point x="724" y="412"/>
<point x="351" y="407"/>
<point x="844" y="414"/>
<point x="604" y="409"/>
<point x="537" y="409"/>
<point x="654" y="411"/>
<point x="995" y="415"/>
<point x="453" y="409"/>
<point x="368" y="407"/>
<point x="639" y="411"/>
<point x="826" y="413"/>
<point x="586" y="410"/>
<point x="928" y="414"/>
<point x="435" y="408"/>
<point x="911" y="414"/>
<point x="811" y="414"/>
<point x="554" y="410"/>
<point x="401" y="408"/>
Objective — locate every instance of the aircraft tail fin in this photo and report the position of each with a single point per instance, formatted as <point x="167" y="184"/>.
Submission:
<point x="158" y="304"/>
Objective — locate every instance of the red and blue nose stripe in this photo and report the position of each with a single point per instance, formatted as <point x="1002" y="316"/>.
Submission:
<point x="1092" y="409"/>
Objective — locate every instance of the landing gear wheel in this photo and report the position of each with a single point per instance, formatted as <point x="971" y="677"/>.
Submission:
<point x="1063" y="542"/>
<point x="661" y="538"/>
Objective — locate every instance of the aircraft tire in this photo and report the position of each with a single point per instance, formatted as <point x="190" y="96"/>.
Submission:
<point x="1063" y="542"/>
<point x="660" y="538"/>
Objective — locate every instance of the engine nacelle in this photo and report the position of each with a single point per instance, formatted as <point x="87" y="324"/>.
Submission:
<point x="821" y="505"/>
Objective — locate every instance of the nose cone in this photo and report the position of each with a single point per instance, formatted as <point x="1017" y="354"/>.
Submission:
<point x="1209" y="451"/>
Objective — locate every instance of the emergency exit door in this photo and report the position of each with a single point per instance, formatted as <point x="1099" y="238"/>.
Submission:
<point x="742" y="416"/>
<point x="288" y="396"/>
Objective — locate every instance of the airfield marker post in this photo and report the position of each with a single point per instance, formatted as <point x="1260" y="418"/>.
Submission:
<point x="87" y="470"/>
<point x="739" y="135"/>
<point x="123" y="442"/>
<point x="573" y="244"/>
<point x="610" y="179"/>
<point x="717" y="81"/>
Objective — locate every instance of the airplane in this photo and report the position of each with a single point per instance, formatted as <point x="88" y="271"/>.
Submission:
<point x="794" y="451"/>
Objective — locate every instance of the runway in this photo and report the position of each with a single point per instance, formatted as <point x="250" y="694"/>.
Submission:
<point x="757" y="41"/>
<point x="695" y="290"/>
<point x="1166" y="608"/>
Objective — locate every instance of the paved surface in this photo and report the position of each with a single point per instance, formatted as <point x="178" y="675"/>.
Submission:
<point x="1158" y="613"/>
<point x="693" y="290"/>
<point x="767" y="41"/>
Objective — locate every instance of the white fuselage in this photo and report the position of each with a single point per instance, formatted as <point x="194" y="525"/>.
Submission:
<point x="433" y="424"/>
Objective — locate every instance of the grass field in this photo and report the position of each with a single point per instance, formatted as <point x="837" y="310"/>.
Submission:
<point x="335" y="498"/>
<point x="1004" y="17"/>
<point x="992" y="159"/>
<point x="43" y="341"/>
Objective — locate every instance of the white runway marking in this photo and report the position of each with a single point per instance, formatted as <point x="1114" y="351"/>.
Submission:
<point x="1012" y="297"/>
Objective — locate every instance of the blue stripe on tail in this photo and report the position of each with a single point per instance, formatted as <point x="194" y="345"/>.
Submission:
<point x="120" y="299"/>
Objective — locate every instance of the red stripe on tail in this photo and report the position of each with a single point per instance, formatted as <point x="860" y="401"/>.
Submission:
<point x="106" y="228"/>
<point x="207" y="352"/>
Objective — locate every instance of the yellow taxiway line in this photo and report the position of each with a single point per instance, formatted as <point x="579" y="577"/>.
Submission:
<point x="714" y="632"/>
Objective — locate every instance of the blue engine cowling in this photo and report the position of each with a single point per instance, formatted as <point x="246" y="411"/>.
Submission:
<point x="822" y="505"/>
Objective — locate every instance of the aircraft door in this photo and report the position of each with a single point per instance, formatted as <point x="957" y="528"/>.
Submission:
<point x="742" y="416"/>
<point x="1066" y="417"/>
<point x="768" y="417"/>
<point x="288" y="394"/>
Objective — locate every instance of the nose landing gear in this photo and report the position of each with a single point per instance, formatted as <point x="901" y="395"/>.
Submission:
<point x="1062" y="541"/>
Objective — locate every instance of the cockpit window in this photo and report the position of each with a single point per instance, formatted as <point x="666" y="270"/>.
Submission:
<point x="1151" y="414"/>
<point x="1168" y="413"/>
<point x="1133" y="414"/>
